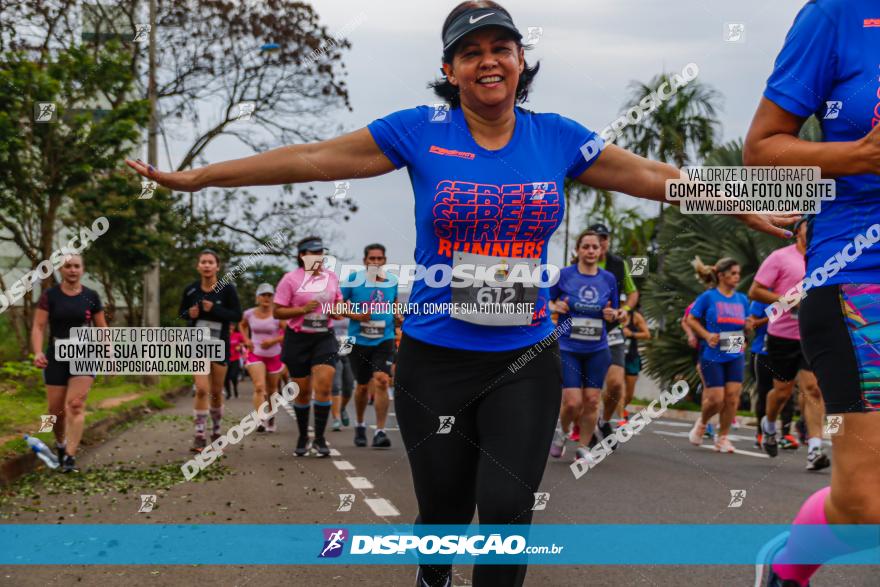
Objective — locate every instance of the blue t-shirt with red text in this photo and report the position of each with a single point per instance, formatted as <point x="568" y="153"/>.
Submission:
<point x="726" y="316"/>
<point x="503" y="203"/>
<point x="830" y="66"/>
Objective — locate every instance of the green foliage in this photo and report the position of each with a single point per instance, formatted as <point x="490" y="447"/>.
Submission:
<point x="665" y="296"/>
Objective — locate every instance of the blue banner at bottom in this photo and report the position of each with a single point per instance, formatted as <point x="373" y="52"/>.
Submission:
<point x="619" y="544"/>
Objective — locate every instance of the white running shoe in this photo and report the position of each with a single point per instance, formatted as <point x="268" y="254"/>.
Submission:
<point x="557" y="447"/>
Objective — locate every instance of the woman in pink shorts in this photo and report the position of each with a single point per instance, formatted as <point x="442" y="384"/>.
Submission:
<point x="263" y="341"/>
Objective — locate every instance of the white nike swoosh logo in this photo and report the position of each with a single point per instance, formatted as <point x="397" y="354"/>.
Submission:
<point x="473" y="20"/>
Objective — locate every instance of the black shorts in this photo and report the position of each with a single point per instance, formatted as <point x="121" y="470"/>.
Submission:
<point x="366" y="360"/>
<point x="618" y="355"/>
<point x="842" y="347"/>
<point x="304" y="350"/>
<point x="58" y="372"/>
<point x="785" y="358"/>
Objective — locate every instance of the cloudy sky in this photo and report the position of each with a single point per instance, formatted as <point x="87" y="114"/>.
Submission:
<point x="589" y="51"/>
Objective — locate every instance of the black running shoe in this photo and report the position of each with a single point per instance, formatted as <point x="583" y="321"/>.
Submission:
<point x="302" y="445"/>
<point x="768" y="441"/>
<point x="68" y="465"/>
<point x="381" y="440"/>
<point x="321" y="446"/>
<point x="421" y="582"/>
<point x="607" y="431"/>
<point x="360" y="436"/>
<point x="817" y="460"/>
<point x="199" y="443"/>
<point x="764" y="574"/>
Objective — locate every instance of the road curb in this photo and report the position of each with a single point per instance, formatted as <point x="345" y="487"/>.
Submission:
<point x="14" y="467"/>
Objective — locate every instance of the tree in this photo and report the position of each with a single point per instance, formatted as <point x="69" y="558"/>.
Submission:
<point x="681" y="130"/>
<point x="44" y="166"/>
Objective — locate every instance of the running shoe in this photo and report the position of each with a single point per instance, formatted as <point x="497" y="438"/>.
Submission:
<point x="302" y="445"/>
<point x="768" y="442"/>
<point x="788" y="442"/>
<point x="557" y="447"/>
<point x="758" y="440"/>
<point x="695" y="436"/>
<point x="68" y="465"/>
<point x="764" y="574"/>
<point x="723" y="444"/>
<point x="270" y="424"/>
<point x="199" y="443"/>
<point x="261" y="428"/>
<point x="321" y="446"/>
<point x="337" y="425"/>
<point x="421" y="582"/>
<point x="817" y="459"/>
<point x="345" y="421"/>
<point x="575" y="433"/>
<point x="381" y="440"/>
<point x="582" y="453"/>
<point x="606" y="430"/>
<point x="360" y="436"/>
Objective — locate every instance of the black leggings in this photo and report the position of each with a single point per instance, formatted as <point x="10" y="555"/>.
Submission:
<point x="764" y="385"/>
<point x="494" y="457"/>
<point x="232" y="373"/>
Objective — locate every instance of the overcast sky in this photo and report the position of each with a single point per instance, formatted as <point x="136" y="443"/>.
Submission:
<point x="589" y="52"/>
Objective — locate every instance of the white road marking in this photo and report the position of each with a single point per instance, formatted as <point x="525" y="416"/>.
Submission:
<point x="673" y="423"/>
<point x="360" y="482"/>
<point x="335" y="453"/>
<point x="344" y="465"/>
<point x="373" y="426"/>
<point x="749" y="453"/>
<point x="382" y="507"/>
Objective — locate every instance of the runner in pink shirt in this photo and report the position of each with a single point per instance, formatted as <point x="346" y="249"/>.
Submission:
<point x="263" y="339"/>
<point x="303" y="297"/>
<point x="780" y="272"/>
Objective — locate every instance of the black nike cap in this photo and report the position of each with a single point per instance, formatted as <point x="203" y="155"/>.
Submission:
<point x="475" y="19"/>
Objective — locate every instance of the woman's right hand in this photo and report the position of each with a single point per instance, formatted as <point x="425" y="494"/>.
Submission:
<point x="560" y="306"/>
<point x="182" y="181"/>
<point x="194" y="312"/>
<point x="41" y="361"/>
<point x="713" y="339"/>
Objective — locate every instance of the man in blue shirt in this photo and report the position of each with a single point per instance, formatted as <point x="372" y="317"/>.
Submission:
<point x="372" y="298"/>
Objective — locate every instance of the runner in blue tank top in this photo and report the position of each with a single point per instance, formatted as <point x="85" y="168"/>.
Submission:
<point x="488" y="179"/>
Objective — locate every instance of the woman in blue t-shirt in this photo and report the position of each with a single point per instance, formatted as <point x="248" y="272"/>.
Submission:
<point x="718" y="317"/>
<point x="828" y="67"/>
<point x="488" y="180"/>
<point x="587" y="301"/>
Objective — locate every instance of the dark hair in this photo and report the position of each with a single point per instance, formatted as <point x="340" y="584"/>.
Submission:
<point x="373" y="246"/>
<point x="450" y="93"/>
<point x="209" y="252"/>
<point x="577" y="245"/>
<point x="299" y="253"/>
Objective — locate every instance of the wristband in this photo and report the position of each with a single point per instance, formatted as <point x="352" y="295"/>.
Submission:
<point x="626" y="307"/>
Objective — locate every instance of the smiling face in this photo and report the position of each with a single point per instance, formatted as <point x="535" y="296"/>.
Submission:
<point x="486" y="68"/>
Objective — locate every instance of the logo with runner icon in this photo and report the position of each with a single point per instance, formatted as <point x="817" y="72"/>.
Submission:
<point x="148" y="502"/>
<point x="541" y="500"/>
<point x="833" y="425"/>
<point x="832" y="109"/>
<point x="346" y="343"/>
<point x="446" y="423"/>
<point x="47" y="422"/>
<point x="737" y="497"/>
<point x="346" y="500"/>
<point x="334" y="541"/>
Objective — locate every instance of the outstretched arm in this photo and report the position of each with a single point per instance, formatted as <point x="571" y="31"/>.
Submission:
<point x="350" y="156"/>
<point x="618" y="170"/>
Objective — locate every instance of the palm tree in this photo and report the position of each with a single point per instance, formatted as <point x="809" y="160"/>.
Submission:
<point x="681" y="130"/>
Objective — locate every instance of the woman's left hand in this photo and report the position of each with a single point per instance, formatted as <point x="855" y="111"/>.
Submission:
<point x="769" y="223"/>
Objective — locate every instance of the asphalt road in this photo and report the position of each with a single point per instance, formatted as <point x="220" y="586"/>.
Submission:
<point x="657" y="477"/>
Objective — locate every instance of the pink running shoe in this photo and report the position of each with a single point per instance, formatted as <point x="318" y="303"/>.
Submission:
<point x="695" y="436"/>
<point x="723" y="444"/>
<point x="557" y="447"/>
